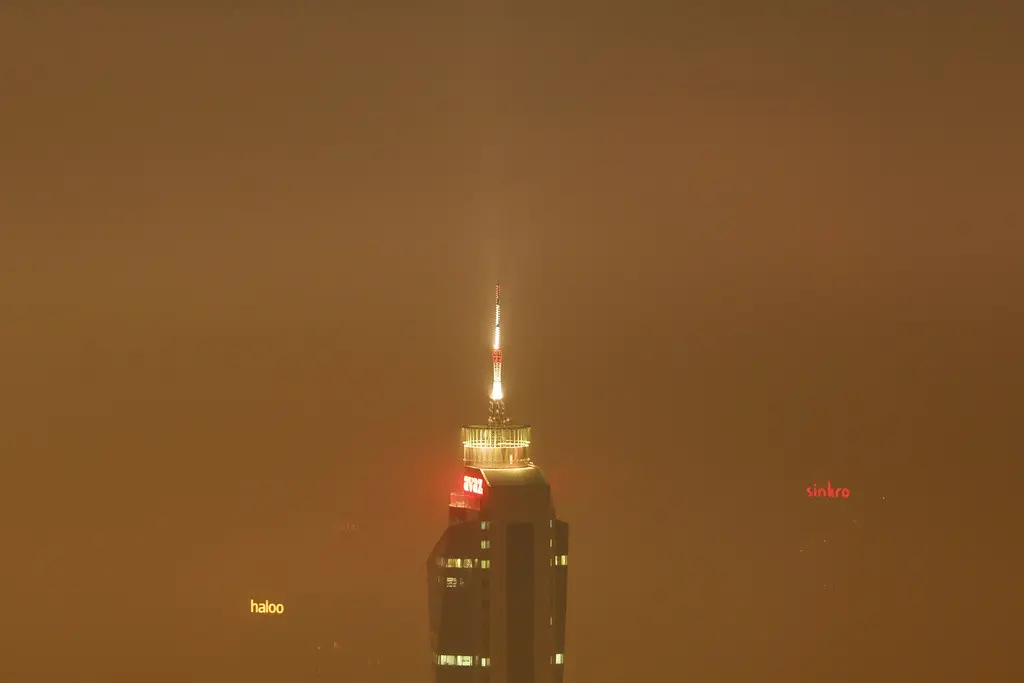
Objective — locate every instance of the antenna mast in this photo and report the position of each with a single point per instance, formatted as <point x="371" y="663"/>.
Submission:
<point x="497" y="411"/>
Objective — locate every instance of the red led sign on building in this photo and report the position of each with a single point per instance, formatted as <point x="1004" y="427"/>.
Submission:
<point x="473" y="485"/>
<point x="814" y="492"/>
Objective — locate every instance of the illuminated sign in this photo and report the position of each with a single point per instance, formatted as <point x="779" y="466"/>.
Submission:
<point x="814" y="492"/>
<point x="473" y="485"/>
<point x="265" y="607"/>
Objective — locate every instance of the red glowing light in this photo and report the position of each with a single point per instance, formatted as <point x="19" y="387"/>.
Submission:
<point x="473" y="485"/>
<point x="813" y="491"/>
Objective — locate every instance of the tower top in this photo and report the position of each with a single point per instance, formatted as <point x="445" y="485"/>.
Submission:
<point x="498" y="444"/>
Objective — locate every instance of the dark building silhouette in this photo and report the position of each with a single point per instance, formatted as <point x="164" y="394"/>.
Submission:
<point x="497" y="576"/>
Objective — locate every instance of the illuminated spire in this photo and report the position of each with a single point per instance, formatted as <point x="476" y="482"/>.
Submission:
<point x="497" y="411"/>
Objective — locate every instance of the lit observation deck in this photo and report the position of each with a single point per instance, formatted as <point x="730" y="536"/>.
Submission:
<point x="496" y="447"/>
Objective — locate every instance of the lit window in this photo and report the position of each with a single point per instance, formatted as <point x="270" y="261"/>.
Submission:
<point x="484" y="545"/>
<point x="468" y="563"/>
<point x="551" y="543"/>
<point x="461" y="660"/>
<point x="451" y="582"/>
<point x="565" y="560"/>
<point x="551" y="562"/>
<point x="551" y="524"/>
<point x="485" y="525"/>
<point x="485" y="564"/>
<point x="559" y="658"/>
<point x="551" y="621"/>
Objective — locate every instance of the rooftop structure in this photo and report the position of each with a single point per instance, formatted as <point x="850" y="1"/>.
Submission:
<point x="498" y="444"/>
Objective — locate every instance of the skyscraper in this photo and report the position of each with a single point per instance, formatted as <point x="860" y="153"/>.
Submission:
<point x="497" y="576"/>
